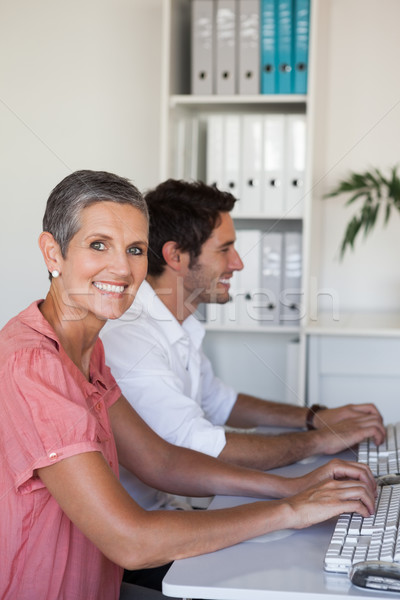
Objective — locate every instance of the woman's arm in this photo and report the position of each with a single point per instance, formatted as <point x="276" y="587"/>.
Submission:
<point x="91" y="496"/>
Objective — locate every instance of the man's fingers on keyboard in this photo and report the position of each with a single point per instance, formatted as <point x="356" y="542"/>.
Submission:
<point x="360" y="428"/>
<point x="374" y="428"/>
<point x="367" y="408"/>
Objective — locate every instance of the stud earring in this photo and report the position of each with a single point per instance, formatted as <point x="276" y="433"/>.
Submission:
<point x="55" y="274"/>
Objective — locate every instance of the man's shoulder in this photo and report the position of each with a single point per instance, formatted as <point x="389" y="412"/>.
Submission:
<point x="134" y="323"/>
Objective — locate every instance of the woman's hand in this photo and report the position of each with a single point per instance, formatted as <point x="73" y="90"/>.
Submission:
<point x="329" y="499"/>
<point x="335" y="469"/>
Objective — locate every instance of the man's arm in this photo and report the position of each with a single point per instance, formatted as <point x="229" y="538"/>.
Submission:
<point x="187" y="472"/>
<point x="249" y="411"/>
<point x="338" y="429"/>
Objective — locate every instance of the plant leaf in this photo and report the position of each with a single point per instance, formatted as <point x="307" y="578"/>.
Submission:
<point x="374" y="190"/>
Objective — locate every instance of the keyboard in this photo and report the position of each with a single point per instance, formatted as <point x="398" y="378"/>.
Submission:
<point x="368" y="548"/>
<point x="359" y="539"/>
<point x="385" y="458"/>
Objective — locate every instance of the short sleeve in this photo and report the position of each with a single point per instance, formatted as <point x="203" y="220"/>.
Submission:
<point x="111" y="389"/>
<point x="46" y="416"/>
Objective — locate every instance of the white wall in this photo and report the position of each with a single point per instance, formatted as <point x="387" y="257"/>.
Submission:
<point x="80" y="86"/>
<point x="357" y="126"/>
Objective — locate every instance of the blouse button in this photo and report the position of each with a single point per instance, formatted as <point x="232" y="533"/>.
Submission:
<point x="98" y="406"/>
<point x="53" y="455"/>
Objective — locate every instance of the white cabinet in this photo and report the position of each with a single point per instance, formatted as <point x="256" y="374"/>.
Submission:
<point x="358" y="364"/>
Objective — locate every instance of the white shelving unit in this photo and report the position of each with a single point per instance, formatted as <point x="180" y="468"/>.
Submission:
<point x="340" y="357"/>
<point x="267" y="360"/>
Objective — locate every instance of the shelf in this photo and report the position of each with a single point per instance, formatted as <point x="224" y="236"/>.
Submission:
<point x="356" y="324"/>
<point x="271" y="329"/>
<point x="214" y="100"/>
<point x="265" y="217"/>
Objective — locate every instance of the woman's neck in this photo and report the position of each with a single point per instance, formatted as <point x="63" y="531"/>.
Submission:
<point x="77" y="333"/>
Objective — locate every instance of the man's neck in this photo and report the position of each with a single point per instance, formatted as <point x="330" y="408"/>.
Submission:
<point x="172" y="293"/>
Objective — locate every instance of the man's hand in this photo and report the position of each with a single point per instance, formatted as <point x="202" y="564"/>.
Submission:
<point x="330" y="416"/>
<point x="345" y="434"/>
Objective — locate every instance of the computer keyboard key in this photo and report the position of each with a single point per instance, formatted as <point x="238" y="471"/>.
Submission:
<point x="374" y="539"/>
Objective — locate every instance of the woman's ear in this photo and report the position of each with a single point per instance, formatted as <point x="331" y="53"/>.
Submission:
<point x="51" y="251"/>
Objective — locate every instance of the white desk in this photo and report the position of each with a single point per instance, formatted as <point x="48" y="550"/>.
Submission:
<point x="285" y="566"/>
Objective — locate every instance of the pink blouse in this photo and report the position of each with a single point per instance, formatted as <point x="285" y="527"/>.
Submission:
<point x="48" y="412"/>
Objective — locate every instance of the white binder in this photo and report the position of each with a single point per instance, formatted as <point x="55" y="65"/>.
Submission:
<point x="273" y="184"/>
<point x="179" y="146"/>
<point x="247" y="281"/>
<point x="251" y="159"/>
<point x="186" y="149"/>
<point x="271" y="277"/>
<point x="296" y="162"/>
<point x="292" y="395"/>
<point x="193" y="148"/>
<point x="248" y="74"/>
<point x="225" y="46"/>
<point x="215" y="150"/>
<point x="291" y="293"/>
<point x="231" y="154"/>
<point x="202" y="46"/>
<point x="223" y="152"/>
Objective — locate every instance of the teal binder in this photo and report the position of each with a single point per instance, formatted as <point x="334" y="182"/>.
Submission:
<point x="301" y="39"/>
<point x="268" y="79"/>
<point x="284" y="46"/>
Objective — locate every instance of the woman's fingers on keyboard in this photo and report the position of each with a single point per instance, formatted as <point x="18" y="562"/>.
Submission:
<point x="341" y="469"/>
<point x="353" y="470"/>
<point x="331" y="498"/>
<point x="355" y="492"/>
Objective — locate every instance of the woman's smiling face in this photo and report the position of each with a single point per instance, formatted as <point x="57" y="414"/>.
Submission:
<point x="106" y="260"/>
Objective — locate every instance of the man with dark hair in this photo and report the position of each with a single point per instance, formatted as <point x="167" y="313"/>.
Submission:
<point x="155" y="354"/>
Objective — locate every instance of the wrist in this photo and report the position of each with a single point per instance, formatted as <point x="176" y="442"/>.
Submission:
<point x="311" y="412"/>
<point x="293" y="486"/>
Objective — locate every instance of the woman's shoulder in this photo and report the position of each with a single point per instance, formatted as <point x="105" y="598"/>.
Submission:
<point x="28" y="330"/>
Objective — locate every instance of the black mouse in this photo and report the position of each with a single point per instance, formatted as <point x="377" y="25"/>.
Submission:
<point x="376" y="575"/>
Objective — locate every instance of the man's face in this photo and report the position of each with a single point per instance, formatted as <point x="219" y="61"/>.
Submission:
<point x="208" y="279"/>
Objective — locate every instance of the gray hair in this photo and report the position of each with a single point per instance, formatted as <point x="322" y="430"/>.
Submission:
<point x="78" y="191"/>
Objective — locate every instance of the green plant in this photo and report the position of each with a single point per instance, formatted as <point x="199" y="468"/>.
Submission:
<point x="377" y="193"/>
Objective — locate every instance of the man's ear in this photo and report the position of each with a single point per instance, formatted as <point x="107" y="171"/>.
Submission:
<point x="174" y="257"/>
<point x="51" y="251"/>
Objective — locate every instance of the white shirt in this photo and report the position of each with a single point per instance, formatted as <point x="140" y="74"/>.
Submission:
<point x="162" y="371"/>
